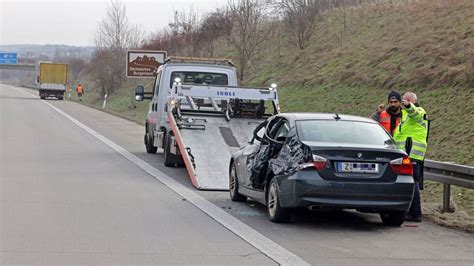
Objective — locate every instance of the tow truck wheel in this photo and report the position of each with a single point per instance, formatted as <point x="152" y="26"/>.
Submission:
<point x="170" y="159"/>
<point x="275" y="212"/>
<point x="149" y="144"/>
<point x="234" y="186"/>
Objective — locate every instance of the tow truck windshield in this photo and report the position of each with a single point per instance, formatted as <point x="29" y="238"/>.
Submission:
<point x="199" y="78"/>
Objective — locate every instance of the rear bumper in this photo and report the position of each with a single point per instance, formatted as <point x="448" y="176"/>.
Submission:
<point x="307" y="189"/>
<point x="51" y="91"/>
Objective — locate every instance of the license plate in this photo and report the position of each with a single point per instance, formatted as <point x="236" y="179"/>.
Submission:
<point x="366" y="168"/>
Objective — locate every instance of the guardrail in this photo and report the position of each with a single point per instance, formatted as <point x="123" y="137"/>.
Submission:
<point x="18" y="67"/>
<point x="449" y="174"/>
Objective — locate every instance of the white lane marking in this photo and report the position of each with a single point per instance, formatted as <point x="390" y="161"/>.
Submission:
<point x="267" y="246"/>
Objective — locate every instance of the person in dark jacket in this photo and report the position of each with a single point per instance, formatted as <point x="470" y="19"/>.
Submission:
<point x="389" y="118"/>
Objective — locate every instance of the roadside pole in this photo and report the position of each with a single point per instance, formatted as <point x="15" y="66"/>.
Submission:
<point x="135" y="84"/>
<point x="105" y="101"/>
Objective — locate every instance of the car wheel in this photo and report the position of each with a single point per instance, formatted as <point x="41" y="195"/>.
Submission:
<point x="393" y="218"/>
<point x="234" y="185"/>
<point x="275" y="212"/>
<point x="149" y="144"/>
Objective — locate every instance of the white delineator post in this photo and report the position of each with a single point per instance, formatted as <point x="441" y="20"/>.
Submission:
<point x="105" y="101"/>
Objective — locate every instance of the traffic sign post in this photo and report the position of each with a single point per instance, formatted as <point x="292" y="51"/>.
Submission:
<point x="8" y="58"/>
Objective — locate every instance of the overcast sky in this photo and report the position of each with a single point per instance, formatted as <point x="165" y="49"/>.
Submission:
<point x="74" y="22"/>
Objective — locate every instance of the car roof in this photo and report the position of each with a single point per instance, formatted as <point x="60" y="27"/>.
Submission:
<point x="325" y="116"/>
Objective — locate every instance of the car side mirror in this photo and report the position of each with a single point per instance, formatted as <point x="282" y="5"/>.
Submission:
<point x="139" y="93"/>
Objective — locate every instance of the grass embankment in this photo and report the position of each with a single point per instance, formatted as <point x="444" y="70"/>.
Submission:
<point x="121" y="102"/>
<point x="427" y="48"/>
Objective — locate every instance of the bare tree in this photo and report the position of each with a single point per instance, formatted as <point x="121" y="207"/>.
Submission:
<point x="185" y="30"/>
<point x="115" y="31"/>
<point x="75" y="67"/>
<point x="114" y="35"/>
<point x="342" y="7"/>
<point x="299" y="17"/>
<point x="214" y="26"/>
<point x="248" y="32"/>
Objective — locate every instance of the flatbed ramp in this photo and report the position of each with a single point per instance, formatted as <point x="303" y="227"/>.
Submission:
<point x="206" y="138"/>
<point x="212" y="147"/>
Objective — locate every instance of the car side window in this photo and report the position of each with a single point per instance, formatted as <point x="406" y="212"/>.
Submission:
<point x="282" y="132"/>
<point x="272" y="127"/>
<point x="260" y="134"/>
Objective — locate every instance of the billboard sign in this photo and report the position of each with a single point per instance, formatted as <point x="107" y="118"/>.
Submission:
<point x="8" y="58"/>
<point x="144" y="63"/>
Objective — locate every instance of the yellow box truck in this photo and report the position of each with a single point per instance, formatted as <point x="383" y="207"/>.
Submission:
<point x="52" y="80"/>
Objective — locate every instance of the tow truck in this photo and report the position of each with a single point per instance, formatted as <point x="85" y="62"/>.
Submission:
<point x="198" y="116"/>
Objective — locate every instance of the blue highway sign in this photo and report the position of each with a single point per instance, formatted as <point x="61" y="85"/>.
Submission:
<point x="8" y="58"/>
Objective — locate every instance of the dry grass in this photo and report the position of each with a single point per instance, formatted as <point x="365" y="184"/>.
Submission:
<point x="424" y="45"/>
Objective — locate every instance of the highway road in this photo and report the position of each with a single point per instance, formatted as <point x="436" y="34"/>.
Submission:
<point x="76" y="186"/>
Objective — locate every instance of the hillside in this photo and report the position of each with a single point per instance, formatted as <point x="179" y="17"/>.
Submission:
<point x="427" y="48"/>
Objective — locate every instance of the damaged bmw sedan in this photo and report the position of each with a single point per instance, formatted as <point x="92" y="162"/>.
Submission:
<point x="317" y="161"/>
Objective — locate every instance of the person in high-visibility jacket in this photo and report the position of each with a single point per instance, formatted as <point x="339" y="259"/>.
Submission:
<point x="80" y="91"/>
<point x="411" y="136"/>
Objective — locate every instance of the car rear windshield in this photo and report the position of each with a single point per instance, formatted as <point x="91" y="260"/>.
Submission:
<point x="351" y="132"/>
<point x="199" y="78"/>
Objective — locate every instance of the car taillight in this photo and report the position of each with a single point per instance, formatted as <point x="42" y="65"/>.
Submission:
<point x="318" y="163"/>
<point x="402" y="166"/>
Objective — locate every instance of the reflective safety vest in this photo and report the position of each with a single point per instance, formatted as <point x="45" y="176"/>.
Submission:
<point x="414" y="125"/>
<point x="385" y="119"/>
<point x="79" y="89"/>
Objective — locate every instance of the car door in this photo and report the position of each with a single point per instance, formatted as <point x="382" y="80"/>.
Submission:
<point x="249" y="151"/>
<point x="284" y="152"/>
<point x="256" y="156"/>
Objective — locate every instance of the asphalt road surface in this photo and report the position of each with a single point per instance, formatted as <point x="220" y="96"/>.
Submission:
<point x="70" y="194"/>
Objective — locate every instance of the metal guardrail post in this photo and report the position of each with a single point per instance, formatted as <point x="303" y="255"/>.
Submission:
<point x="449" y="174"/>
<point x="446" y="198"/>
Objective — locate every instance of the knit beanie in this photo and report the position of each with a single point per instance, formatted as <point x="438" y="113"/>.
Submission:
<point x="394" y="95"/>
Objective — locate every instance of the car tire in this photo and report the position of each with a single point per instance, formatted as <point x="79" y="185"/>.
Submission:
<point x="393" y="218"/>
<point x="234" y="185"/>
<point x="149" y="144"/>
<point x="275" y="212"/>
